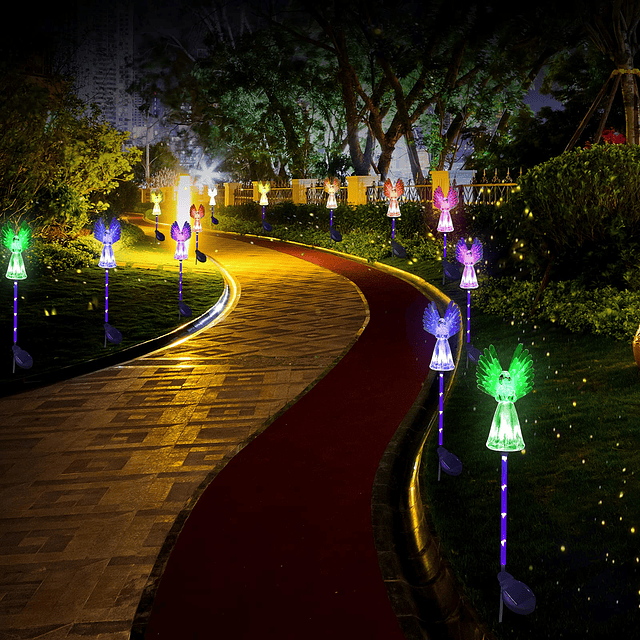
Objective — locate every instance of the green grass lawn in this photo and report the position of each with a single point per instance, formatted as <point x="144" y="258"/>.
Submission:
<point x="573" y="494"/>
<point x="61" y="318"/>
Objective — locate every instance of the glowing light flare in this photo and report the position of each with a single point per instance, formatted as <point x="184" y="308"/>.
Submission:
<point x="184" y="199"/>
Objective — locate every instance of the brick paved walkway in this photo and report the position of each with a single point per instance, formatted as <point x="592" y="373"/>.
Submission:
<point x="94" y="470"/>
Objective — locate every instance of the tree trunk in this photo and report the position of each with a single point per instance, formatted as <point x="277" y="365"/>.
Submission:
<point x="414" y="160"/>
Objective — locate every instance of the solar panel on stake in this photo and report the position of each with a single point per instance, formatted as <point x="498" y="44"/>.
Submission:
<point x="505" y="436"/>
<point x="441" y="361"/>
<point x="17" y="241"/>
<point x="108" y="236"/>
<point x="394" y="193"/>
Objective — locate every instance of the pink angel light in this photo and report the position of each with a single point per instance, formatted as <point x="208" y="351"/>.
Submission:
<point x="469" y="257"/>
<point x="441" y="361"/>
<point x="445" y="224"/>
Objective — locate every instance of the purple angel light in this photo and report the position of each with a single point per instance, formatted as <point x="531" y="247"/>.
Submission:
<point x="181" y="236"/>
<point x="441" y="361"/>
<point x="108" y="236"/>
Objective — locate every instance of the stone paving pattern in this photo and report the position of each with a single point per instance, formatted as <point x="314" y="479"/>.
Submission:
<point x="95" y="470"/>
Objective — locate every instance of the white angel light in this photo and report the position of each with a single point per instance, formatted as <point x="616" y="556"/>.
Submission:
<point x="442" y="329"/>
<point x="332" y="187"/>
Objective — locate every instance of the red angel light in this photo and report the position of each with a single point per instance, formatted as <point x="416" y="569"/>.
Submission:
<point x="197" y="215"/>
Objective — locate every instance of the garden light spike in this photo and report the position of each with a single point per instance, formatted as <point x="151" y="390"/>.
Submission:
<point x="441" y="361"/>
<point x="264" y="188"/>
<point x="197" y="215"/>
<point x="17" y="241"/>
<point x="505" y="436"/>
<point x="108" y="236"/>
<point x="181" y="235"/>
<point x="156" y="198"/>
<point x="469" y="257"/>
<point x="332" y="187"/>
<point x="213" y="192"/>
<point x="393" y="193"/>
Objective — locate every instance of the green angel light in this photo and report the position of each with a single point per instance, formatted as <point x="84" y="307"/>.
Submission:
<point x="16" y="242"/>
<point x="506" y="387"/>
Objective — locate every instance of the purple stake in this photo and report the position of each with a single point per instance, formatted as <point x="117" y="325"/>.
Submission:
<point x="15" y="312"/>
<point x="262" y="213"/>
<point x="440" y="409"/>
<point x="106" y="302"/>
<point x="503" y="514"/>
<point x="393" y="229"/>
<point x="468" y="315"/>
<point x="331" y="225"/>
<point x="444" y="259"/>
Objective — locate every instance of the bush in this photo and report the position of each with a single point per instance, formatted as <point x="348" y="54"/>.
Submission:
<point x="601" y="311"/>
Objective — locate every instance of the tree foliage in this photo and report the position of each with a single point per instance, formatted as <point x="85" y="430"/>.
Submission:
<point x="58" y="160"/>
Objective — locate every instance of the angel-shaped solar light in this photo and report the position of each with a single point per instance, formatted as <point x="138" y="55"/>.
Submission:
<point x="17" y="242"/>
<point x="441" y="361"/>
<point x="507" y="387"/>
<point x="445" y="205"/>
<point x="393" y="193"/>
<point x="181" y="235"/>
<point x="156" y="198"/>
<point x="264" y="188"/>
<point x="108" y="236"/>
<point x="197" y="215"/>
<point x="213" y="192"/>
<point x="332" y="187"/>
<point x="469" y="257"/>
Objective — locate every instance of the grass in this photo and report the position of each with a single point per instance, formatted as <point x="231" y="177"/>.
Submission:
<point x="60" y="318"/>
<point x="573" y="494"/>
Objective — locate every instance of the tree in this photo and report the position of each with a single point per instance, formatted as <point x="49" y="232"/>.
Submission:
<point x="57" y="160"/>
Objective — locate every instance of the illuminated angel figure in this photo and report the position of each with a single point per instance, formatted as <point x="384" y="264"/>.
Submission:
<point x="445" y="205"/>
<point x="16" y="242"/>
<point x="332" y="187"/>
<point x="213" y="192"/>
<point x="181" y="236"/>
<point x="393" y="193"/>
<point x="264" y="188"/>
<point x="156" y="198"/>
<point x="469" y="257"/>
<point x="506" y="387"/>
<point x="197" y="215"/>
<point x="108" y="236"/>
<point x="442" y="329"/>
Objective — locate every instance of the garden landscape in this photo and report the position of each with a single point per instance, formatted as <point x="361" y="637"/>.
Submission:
<point x="261" y="333"/>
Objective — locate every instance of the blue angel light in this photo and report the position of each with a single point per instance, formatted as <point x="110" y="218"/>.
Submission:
<point x="442" y="329"/>
<point x="108" y="236"/>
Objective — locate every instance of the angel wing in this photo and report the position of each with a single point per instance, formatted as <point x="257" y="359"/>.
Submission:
<point x="192" y="211"/>
<point x="99" y="232"/>
<point x="264" y="187"/>
<point x="430" y="319"/>
<point x="336" y="185"/>
<point x="399" y="187"/>
<point x="24" y="235"/>
<point x="179" y="234"/>
<point x="476" y="250"/>
<point x="452" y="318"/>
<point x="327" y="184"/>
<point x="521" y="371"/>
<point x="115" y="230"/>
<point x="156" y="197"/>
<point x="452" y="199"/>
<point x="488" y="371"/>
<point x="388" y="188"/>
<point x="201" y="211"/>
<point x="461" y="250"/>
<point x="438" y="198"/>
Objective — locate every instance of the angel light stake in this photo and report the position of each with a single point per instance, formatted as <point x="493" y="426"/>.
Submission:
<point x="441" y="361"/>
<point x="156" y="198"/>
<point x="332" y="187"/>
<point x="108" y="236"/>
<point x="264" y="188"/>
<point x="17" y="241"/>
<point x="507" y="387"/>
<point x="197" y="215"/>
<point x="445" y="224"/>
<point x="469" y="257"/>
<point x="181" y="235"/>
